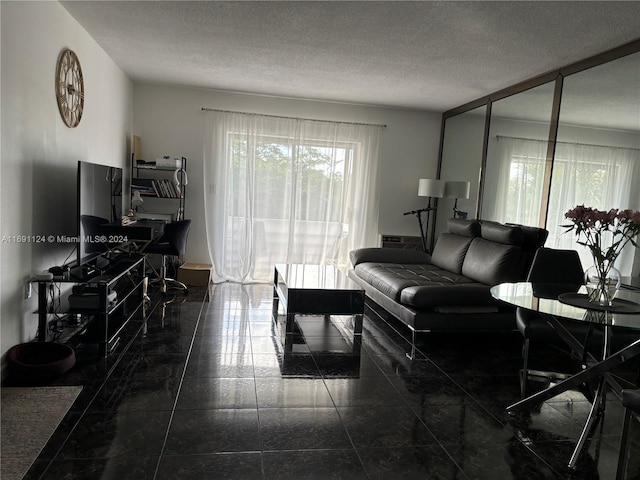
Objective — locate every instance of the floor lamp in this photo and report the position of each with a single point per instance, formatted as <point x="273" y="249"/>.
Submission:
<point x="430" y="188"/>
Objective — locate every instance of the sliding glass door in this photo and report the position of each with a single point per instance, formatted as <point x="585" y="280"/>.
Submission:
<point x="287" y="190"/>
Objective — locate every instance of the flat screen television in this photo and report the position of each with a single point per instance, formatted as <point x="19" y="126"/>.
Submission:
<point x="99" y="201"/>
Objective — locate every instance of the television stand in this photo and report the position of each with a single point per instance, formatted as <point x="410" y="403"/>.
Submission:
<point x="102" y="302"/>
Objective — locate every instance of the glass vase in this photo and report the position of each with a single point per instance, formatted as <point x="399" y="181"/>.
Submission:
<point x="602" y="282"/>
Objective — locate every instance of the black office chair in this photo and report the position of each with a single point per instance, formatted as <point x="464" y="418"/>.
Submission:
<point x="631" y="402"/>
<point x="173" y="242"/>
<point x="558" y="271"/>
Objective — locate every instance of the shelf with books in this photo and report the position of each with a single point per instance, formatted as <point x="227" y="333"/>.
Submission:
<point x="162" y="182"/>
<point x="162" y="188"/>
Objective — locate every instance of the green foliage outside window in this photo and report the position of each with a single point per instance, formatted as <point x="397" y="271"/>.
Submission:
<point x="282" y="172"/>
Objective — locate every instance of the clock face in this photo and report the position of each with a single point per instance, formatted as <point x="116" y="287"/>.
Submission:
<point x="69" y="88"/>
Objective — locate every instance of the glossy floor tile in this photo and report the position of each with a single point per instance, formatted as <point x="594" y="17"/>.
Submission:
<point x="209" y="387"/>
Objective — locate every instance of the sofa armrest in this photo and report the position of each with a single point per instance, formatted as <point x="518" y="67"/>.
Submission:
<point x="388" y="255"/>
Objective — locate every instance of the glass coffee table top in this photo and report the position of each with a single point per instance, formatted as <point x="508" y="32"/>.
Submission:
<point x="320" y="277"/>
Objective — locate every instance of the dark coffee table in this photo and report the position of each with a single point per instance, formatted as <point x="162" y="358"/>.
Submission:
<point x="316" y="290"/>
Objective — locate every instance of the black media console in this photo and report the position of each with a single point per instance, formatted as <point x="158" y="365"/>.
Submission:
<point x="105" y="295"/>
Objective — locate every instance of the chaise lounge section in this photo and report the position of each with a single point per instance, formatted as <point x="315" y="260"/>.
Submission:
<point x="448" y="291"/>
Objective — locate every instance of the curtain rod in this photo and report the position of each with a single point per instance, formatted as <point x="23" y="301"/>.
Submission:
<point x="205" y="109"/>
<point x="566" y="143"/>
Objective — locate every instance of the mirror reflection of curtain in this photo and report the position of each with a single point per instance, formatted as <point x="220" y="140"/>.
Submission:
<point x="287" y="190"/>
<point x="596" y="176"/>
<point x="517" y="181"/>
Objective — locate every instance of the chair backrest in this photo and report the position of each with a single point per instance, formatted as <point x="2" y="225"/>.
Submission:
<point x="556" y="266"/>
<point x="175" y="233"/>
<point x="551" y="272"/>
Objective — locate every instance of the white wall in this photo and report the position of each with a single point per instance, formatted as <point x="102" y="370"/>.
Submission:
<point x="170" y="121"/>
<point x="40" y="154"/>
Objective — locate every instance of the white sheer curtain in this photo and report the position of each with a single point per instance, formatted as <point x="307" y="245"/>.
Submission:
<point x="516" y="175"/>
<point x="285" y="190"/>
<point x="601" y="177"/>
<point x="596" y="176"/>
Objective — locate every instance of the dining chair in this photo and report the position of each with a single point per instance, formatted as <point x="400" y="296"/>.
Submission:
<point x="556" y="270"/>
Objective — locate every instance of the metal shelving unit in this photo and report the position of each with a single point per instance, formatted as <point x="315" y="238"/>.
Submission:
<point x="162" y="184"/>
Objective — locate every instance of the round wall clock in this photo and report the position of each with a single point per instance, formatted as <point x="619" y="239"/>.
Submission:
<point x="69" y="88"/>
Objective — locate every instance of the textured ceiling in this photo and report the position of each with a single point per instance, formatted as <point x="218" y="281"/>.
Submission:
<point x="606" y="96"/>
<point x="423" y="54"/>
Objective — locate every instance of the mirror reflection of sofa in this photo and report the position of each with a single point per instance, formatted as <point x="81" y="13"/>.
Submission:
<point x="449" y="290"/>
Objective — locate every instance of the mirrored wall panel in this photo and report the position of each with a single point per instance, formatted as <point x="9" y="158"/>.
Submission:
<point x="597" y="157"/>
<point x="517" y="155"/>
<point x="461" y="161"/>
<point x="594" y="160"/>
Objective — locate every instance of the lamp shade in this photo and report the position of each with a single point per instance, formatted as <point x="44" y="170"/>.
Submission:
<point x="428" y="187"/>
<point x="457" y="189"/>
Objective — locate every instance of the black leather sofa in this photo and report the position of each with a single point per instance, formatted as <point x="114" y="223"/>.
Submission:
<point x="448" y="291"/>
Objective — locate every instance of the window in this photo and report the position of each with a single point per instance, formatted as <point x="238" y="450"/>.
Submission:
<point x="516" y="176"/>
<point x="288" y="191"/>
<point x="526" y="176"/>
<point x="321" y="171"/>
<point x="596" y="176"/>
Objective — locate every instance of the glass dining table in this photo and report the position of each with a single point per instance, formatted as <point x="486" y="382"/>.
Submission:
<point x="560" y="304"/>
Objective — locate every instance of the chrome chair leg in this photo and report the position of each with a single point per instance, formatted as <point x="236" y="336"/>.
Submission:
<point x="524" y="374"/>
<point x="165" y="282"/>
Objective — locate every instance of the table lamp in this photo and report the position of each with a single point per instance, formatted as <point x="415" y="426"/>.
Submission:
<point x="457" y="190"/>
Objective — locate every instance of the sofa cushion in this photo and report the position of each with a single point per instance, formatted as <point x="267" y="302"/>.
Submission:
<point x="388" y="255"/>
<point x="463" y="228"/>
<point x="532" y="237"/>
<point x="505" y="234"/>
<point x="391" y="279"/>
<point x="450" y="251"/>
<point x="461" y="294"/>
<point x="492" y="263"/>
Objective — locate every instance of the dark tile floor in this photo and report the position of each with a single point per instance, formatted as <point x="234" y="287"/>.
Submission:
<point x="204" y="392"/>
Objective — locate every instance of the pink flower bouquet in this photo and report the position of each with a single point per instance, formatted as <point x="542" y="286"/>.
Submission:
<point x="605" y="234"/>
